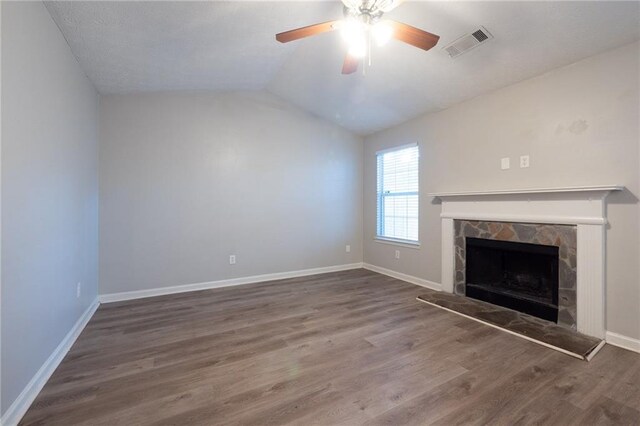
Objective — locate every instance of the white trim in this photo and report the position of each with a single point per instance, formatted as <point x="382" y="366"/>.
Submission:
<point x="448" y="251"/>
<point x="558" y="220"/>
<point x="161" y="291"/>
<point x="622" y="341"/>
<point x="595" y="350"/>
<point x="397" y="242"/>
<point x="19" y="407"/>
<point x="404" y="277"/>
<point x="396" y="148"/>
<point x="590" y="280"/>
<point x="595" y="188"/>
<point x="1" y="420"/>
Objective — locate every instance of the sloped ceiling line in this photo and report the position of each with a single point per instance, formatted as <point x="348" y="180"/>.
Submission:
<point x="130" y="47"/>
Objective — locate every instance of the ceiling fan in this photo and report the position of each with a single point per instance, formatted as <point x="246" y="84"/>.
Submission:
<point x="362" y="23"/>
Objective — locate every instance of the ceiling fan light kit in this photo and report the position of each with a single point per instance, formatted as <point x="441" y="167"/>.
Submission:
<point x="360" y="26"/>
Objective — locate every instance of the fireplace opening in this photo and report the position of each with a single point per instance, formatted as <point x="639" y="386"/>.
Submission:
<point x="519" y="276"/>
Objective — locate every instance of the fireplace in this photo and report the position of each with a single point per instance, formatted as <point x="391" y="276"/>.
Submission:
<point x="515" y="275"/>
<point x="572" y="218"/>
<point x="557" y="241"/>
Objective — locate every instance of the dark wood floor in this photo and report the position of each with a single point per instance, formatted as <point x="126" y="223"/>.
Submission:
<point x="350" y="347"/>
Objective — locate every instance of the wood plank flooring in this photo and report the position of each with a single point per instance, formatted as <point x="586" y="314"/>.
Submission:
<point x="344" y="348"/>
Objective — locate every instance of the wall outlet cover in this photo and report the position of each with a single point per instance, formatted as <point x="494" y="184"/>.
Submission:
<point x="348" y="249"/>
<point x="232" y="259"/>
<point x="397" y="254"/>
<point x="524" y="161"/>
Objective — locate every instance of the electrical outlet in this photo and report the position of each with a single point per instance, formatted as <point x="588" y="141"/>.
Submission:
<point x="232" y="259"/>
<point x="524" y="161"/>
<point x="505" y="163"/>
<point x="397" y="254"/>
<point x="78" y="290"/>
<point x="347" y="248"/>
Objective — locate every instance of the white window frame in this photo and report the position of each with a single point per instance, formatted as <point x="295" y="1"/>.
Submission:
<point x="380" y="201"/>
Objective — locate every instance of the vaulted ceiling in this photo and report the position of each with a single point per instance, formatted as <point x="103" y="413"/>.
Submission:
<point x="129" y="47"/>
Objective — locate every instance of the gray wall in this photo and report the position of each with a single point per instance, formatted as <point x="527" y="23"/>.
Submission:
<point x="579" y="124"/>
<point x="187" y="180"/>
<point x="49" y="192"/>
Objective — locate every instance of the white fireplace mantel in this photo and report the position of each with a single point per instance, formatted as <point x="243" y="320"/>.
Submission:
<point x="562" y="189"/>
<point x="581" y="206"/>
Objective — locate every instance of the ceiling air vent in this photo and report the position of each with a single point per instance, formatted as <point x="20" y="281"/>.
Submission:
<point x="467" y="42"/>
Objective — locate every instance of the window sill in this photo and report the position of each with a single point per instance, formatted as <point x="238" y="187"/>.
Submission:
<point x="402" y="243"/>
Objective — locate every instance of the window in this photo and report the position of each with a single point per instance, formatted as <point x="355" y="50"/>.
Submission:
<point x="397" y="194"/>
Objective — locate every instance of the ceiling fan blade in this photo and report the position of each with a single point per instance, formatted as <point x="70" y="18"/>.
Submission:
<point x="350" y="64"/>
<point x="303" y="32"/>
<point x="413" y="36"/>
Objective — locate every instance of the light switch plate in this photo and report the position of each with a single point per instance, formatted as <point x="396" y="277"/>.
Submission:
<point x="505" y="164"/>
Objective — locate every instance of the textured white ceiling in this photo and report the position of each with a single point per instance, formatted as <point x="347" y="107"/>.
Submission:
<point x="159" y="46"/>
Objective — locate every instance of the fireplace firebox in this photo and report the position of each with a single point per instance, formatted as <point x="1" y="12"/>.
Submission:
<point x="520" y="276"/>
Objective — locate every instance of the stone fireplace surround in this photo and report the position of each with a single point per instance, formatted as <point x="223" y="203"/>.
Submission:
<point x="562" y="236"/>
<point x="580" y="207"/>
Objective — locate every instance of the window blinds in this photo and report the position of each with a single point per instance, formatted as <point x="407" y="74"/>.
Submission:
<point x="397" y="193"/>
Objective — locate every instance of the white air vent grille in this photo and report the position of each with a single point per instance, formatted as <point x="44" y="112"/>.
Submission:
<point x="467" y="42"/>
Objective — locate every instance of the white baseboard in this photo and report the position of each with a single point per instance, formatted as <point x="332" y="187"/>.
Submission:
<point x="22" y="403"/>
<point x="404" y="277"/>
<point x="621" y="341"/>
<point x="139" y="294"/>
